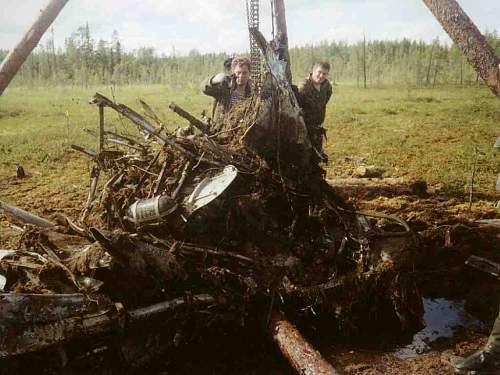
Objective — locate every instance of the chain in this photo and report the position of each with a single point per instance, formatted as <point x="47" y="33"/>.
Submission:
<point x="255" y="57"/>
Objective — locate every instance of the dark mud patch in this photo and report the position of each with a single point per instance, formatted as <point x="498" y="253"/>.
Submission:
<point x="460" y="300"/>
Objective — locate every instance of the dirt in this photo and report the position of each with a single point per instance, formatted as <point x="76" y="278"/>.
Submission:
<point x="448" y="236"/>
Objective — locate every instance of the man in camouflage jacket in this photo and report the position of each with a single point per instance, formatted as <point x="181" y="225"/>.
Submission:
<point x="228" y="90"/>
<point x="313" y="95"/>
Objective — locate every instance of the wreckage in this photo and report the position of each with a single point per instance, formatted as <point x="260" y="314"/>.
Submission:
<point x="213" y="222"/>
<point x="231" y="224"/>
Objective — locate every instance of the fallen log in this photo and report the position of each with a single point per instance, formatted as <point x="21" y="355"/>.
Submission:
<point x="25" y="216"/>
<point x="302" y="356"/>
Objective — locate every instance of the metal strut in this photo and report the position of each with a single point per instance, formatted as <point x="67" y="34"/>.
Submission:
<point x="255" y="56"/>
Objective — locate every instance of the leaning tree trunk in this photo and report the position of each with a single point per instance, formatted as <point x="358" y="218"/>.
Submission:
<point x="20" y="53"/>
<point x="469" y="39"/>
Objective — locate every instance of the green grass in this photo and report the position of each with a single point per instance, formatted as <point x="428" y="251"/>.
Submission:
<point x="418" y="133"/>
<point x="430" y="134"/>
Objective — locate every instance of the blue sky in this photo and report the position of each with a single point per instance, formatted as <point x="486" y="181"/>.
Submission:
<point x="220" y="25"/>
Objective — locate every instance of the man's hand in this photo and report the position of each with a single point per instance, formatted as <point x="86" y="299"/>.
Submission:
<point x="220" y="78"/>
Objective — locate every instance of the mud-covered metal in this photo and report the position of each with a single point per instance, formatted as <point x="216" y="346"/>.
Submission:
<point x="33" y="322"/>
<point x="151" y="211"/>
<point x="35" y="308"/>
<point x="469" y="39"/>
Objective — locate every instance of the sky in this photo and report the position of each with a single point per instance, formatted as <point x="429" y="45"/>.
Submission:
<point x="220" y="25"/>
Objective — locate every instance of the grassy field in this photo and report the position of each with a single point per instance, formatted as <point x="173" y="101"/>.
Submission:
<point x="432" y="134"/>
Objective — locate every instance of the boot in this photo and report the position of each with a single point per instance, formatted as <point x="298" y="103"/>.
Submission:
<point x="485" y="361"/>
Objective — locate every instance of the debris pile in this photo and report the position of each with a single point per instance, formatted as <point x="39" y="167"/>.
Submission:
<point x="210" y="222"/>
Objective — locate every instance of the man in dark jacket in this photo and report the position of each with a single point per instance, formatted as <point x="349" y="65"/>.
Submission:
<point x="313" y="95"/>
<point x="228" y="90"/>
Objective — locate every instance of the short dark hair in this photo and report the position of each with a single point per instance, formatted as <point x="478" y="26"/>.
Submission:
<point x="322" y="64"/>
<point x="241" y="61"/>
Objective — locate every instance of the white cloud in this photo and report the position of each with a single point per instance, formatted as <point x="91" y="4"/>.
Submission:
<point x="220" y="25"/>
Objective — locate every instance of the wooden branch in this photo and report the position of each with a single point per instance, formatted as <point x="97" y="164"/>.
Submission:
<point x="94" y="174"/>
<point x="147" y="127"/>
<point x="86" y="151"/>
<point x="198" y="124"/>
<point x="25" y="216"/>
<point x="20" y="53"/>
<point x="301" y="355"/>
<point x="469" y="39"/>
<point x="100" y="133"/>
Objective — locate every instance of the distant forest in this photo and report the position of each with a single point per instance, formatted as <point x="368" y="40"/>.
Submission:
<point x="85" y="62"/>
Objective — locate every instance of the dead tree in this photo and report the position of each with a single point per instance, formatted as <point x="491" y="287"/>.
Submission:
<point x="364" y="61"/>
<point x="469" y="39"/>
<point x="20" y="53"/>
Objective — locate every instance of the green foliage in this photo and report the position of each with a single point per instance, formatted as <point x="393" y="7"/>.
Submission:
<point x="422" y="133"/>
<point x="428" y="133"/>
<point x="84" y="61"/>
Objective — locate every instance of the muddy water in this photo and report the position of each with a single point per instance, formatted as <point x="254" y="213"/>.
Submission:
<point x="442" y="317"/>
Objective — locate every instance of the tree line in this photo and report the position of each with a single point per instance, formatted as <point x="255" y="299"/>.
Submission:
<point x="84" y="61"/>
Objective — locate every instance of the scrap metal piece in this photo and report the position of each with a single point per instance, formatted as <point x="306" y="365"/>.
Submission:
<point x="20" y="308"/>
<point x="155" y="210"/>
<point x="210" y="188"/>
<point x="3" y="282"/>
<point x="484" y="265"/>
<point x="5" y="253"/>
<point x="151" y="211"/>
<point x="33" y="322"/>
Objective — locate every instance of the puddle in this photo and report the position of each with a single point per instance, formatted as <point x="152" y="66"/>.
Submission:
<point x="441" y="316"/>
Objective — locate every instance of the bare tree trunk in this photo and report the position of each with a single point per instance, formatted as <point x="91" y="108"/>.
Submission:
<point x="435" y="76"/>
<point x="282" y="35"/>
<point x="20" y="53"/>
<point x="364" y="60"/>
<point x="461" y="70"/>
<point x="357" y="67"/>
<point x="428" y="77"/>
<point x="469" y="39"/>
